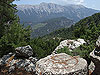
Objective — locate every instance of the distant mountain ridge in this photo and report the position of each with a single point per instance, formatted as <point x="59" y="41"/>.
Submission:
<point x="45" y="11"/>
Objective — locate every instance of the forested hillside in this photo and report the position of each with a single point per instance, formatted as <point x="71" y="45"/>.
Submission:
<point x="51" y="25"/>
<point x="88" y="28"/>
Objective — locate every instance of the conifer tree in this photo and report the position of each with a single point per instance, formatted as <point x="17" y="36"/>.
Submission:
<point x="12" y="33"/>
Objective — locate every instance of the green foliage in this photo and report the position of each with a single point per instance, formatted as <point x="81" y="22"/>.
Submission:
<point x="64" y="33"/>
<point x="43" y="47"/>
<point x="16" y="35"/>
<point x="65" y="50"/>
<point x="7" y="11"/>
<point x="88" y="29"/>
<point x="83" y="51"/>
<point x="12" y="34"/>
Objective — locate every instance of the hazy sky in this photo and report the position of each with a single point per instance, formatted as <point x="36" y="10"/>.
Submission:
<point x="95" y="4"/>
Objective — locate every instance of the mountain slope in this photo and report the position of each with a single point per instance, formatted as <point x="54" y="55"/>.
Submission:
<point x="51" y="25"/>
<point x="44" y="11"/>
<point x="88" y="28"/>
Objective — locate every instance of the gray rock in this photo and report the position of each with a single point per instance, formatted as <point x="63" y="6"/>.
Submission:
<point x="5" y="59"/>
<point x="96" y="60"/>
<point x="25" y="51"/>
<point x="10" y="61"/>
<point x="98" y="41"/>
<point x="12" y="68"/>
<point x="91" y="67"/>
<point x="27" y="64"/>
<point x="97" y="49"/>
<point x="0" y="62"/>
<point x="34" y="60"/>
<point x="61" y="64"/>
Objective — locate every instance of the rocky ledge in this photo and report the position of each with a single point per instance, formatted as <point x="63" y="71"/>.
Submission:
<point x="11" y="63"/>
<point x="61" y="64"/>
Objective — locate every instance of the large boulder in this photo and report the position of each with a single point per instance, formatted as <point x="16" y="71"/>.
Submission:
<point x="61" y="64"/>
<point x="25" y="51"/>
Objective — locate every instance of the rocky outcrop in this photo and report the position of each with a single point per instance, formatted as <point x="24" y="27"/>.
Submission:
<point x="11" y="61"/>
<point x="61" y="64"/>
<point x="95" y="57"/>
<point x="71" y="44"/>
<point x="25" y="51"/>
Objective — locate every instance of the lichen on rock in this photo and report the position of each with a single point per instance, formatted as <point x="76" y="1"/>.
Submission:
<point x="61" y="64"/>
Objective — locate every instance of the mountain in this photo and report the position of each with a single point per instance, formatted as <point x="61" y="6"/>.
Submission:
<point x="87" y="28"/>
<point x="51" y="25"/>
<point x="32" y="14"/>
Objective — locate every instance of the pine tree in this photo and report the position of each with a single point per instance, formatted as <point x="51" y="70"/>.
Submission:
<point x="12" y="33"/>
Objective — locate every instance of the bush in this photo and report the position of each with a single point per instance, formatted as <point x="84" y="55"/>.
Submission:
<point x="83" y="51"/>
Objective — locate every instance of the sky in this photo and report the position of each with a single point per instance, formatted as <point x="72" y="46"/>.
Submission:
<point x="94" y="4"/>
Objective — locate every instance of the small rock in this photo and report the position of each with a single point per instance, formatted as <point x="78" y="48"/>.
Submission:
<point x="98" y="42"/>
<point x="12" y="68"/>
<point x="34" y="60"/>
<point x="91" y="67"/>
<point x="97" y="50"/>
<point x="25" y="51"/>
<point x="5" y="58"/>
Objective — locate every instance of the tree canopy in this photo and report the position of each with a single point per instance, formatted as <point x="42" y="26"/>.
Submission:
<point x="12" y="33"/>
